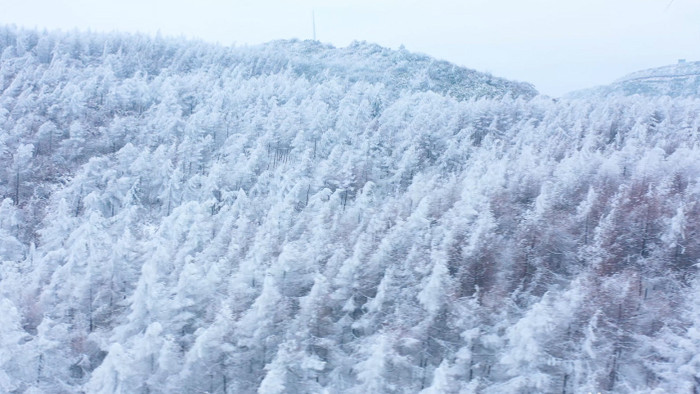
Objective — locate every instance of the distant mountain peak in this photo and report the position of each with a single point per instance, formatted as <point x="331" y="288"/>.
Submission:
<point x="676" y="80"/>
<point x="680" y="70"/>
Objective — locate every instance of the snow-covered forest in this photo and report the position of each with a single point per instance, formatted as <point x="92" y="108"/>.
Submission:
<point x="678" y="80"/>
<point x="181" y="217"/>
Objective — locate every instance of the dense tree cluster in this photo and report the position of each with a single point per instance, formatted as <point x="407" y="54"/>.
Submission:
<point x="294" y="218"/>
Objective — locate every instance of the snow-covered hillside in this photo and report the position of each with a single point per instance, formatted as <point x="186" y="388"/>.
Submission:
<point x="396" y="70"/>
<point x="678" y="80"/>
<point x="180" y="217"/>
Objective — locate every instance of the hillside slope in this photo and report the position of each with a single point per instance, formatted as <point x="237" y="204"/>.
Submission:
<point x="396" y="70"/>
<point x="678" y="80"/>
<point x="181" y="217"/>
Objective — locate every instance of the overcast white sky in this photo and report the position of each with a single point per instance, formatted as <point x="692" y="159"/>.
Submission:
<point x="559" y="45"/>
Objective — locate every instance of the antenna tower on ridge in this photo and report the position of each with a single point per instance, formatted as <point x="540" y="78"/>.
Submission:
<point x="313" y="22"/>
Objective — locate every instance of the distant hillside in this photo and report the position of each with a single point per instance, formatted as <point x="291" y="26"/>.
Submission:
<point x="678" y="80"/>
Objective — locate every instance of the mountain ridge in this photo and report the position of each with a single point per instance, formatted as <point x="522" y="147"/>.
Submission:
<point x="374" y="63"/>
<point x="676" y="80"/>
